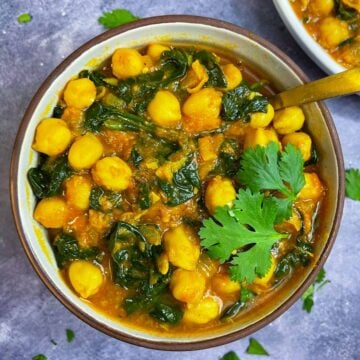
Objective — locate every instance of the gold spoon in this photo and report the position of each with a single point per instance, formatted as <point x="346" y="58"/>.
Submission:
<point x="344" y="83"/>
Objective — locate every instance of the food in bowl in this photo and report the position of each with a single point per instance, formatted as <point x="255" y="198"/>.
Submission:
<point x="174" y="196"/>
<point x="335" y="25"/>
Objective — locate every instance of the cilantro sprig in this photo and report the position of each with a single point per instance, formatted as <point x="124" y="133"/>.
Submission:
<point x="262" y="168"/>
<point x="308" y="296"/>
<point x="116" y="17"/>
<point x="255" y="348"/>
<point x="245" y="233"/>
<point x="352" y="186"/>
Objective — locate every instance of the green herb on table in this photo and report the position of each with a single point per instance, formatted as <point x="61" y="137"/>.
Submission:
<point x="352" y="186"/>
<point x="262" y="168"/>
<point x="308" y="296"/>
<point x="39" y="357"/>
<point x="70" y="335"/>
<point x="24" y="18"/>
<point x="255" y="348"/>
<point x="116" y="17"/>
<point x="231" y="355"/>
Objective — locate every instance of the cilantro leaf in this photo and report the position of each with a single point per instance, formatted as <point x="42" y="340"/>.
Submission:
<point x="69" y="335"/>
<point x="231" y="355"/>
<point x="116" y="17"/>
<point x="255" y="348"/>
<point x="39" y="357"/>
<point x="262" y="168"/>
<point x="244" y="233"/>
<point x="308" y="296"/>
<point x="352" y="186"/>
<point x="24" y="18"/>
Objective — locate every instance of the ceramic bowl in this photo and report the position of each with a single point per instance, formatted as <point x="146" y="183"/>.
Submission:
<point x="254" y="51"/>
<point x="315" y="51"/>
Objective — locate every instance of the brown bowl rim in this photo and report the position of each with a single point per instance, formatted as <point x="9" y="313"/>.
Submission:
<point x="161" y="345"/>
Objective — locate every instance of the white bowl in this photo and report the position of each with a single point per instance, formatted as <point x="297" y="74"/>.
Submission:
<point x="255" y="51"/>
<point x="297" y="29"/>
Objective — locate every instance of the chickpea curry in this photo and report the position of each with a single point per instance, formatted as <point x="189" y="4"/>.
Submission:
<point x="335" y="24"/>
<point x="174" y="196"/>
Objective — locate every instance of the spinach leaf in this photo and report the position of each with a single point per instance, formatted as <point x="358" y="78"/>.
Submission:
<point x="103" y="200"/>
<point x="237" y="105"/>
<point x="144" y="198"/>
<point x="171" y="314"/>
<point x="58" y="111"/>
<point x="344" y="13"/>
<point x="228" y="161"/>
<point x="135" y="157"/>
<point x="216" y="76"/>
<point x="174" y="63"/>
<point x="185" y="183"/>
<point x="66" y="248"/>
<point x="99" y="115"/>
<point x="300" y="255"/>
<point x="234" y="309"/>
<point x="46" y="179"/>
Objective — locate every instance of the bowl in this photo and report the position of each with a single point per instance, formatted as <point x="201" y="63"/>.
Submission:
<point x="256" y="52"/>
<point x="315" y="51"/>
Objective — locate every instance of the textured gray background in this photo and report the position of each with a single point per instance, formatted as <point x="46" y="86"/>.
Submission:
<point x="30" y="316"/>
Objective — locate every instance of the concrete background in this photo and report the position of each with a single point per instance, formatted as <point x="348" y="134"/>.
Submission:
<point x="30" y="316"/>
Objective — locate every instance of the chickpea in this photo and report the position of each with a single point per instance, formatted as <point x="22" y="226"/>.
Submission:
<point x="164" y="109"/>
<point x="209" y="146"/>
<point x="85" y="277"/>
<point x="301" y="140"/>
<point x="264" y="282"/>
<point x="333" y="31"/>
<point x="77" y="190"/>
<point x="219" y="192"/>
<point x="233" y="76"/>
<point x="52" y="137"/>
<point x="260" y="119"/>
<point x="155" y="51"/>
<point x="313" y="188"/>
<point x="85" y="151"/>
<point x="112" y="173"/>
<point x="260" y="136"/>
<point x="80" y="93"/>
<point x="182" y="247"/>
<point x="127" y="63"/>
<point x="202" y="110"/>
<point x="187" y="286"/>
<point x="196" y="77"/>
<point x="289" y="120"/>
<point x="206" y="310"/>
<point x="321" y="7"/>
<point x="223" y="285"/>
<point x="51" y="212"/>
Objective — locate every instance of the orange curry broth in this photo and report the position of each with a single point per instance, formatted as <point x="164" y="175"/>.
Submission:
<point x="108" y="300"/>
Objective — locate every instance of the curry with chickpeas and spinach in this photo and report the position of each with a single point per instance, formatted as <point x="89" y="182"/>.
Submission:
<point x="335" y="24"/>
<point x="174" y="196"/>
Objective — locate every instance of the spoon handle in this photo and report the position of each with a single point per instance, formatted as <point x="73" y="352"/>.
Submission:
<point x="344" y="83"/>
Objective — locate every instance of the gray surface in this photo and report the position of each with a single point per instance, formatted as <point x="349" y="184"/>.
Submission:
<point x="30" y="316"/>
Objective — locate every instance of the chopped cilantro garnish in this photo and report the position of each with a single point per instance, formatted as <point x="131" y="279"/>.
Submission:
<point x="352" y="187"/>
<point x="39" y="357"/>
<point x="24" y="18"/>
<point x="263" y="169"/>
<point x="308" y="296"/>
<point x="231" y="355"/>
<point x="116" y="17"/>
<point x="255" y="348"/>
<point x="244" y="233"/>
<point x="69" y="335"/>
